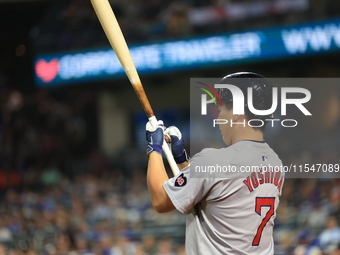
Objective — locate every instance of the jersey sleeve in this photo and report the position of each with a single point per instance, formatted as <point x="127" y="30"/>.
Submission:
<point x="186" y="192"/>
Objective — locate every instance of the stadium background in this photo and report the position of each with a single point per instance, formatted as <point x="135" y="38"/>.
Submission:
<point x="72" y="161"/>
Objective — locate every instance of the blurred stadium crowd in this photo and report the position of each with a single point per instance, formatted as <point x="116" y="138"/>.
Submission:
<point x="61" y="195"/>
<point x="58" y="197"/>
<point x="76" y="25"/>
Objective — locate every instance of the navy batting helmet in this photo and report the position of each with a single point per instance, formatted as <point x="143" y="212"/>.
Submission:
<point x="262" y="89"/>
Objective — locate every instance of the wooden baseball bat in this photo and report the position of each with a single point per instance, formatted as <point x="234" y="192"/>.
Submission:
<point x="115" y="36"/>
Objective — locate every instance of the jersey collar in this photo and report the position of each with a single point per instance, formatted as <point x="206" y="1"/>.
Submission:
<point x="255" y="141"/>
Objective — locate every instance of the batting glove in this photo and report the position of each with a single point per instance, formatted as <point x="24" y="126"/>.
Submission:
<point x="177" y="144"/>
<point x="154" y="137"/>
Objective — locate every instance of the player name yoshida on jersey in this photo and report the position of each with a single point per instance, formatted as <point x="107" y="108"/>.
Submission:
<point x="234" y="214"/>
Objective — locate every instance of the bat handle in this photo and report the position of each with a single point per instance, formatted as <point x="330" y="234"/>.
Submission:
<point x="166" y="150"/>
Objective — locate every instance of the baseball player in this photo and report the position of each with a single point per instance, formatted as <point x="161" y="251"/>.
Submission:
<point x="231" y="215"/>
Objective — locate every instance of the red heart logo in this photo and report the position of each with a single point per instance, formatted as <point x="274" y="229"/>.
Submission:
<point x="47" y="71"/>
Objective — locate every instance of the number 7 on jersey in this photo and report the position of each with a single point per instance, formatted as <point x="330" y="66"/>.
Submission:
<point x="259" y="203"/>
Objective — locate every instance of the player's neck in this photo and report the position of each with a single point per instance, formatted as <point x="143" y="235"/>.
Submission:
<point x="247" y="134"/>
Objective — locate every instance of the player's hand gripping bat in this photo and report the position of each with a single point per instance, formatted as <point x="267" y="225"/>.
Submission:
<point x="117" y="41"/>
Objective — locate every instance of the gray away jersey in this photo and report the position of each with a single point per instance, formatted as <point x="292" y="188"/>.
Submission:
<point x="232" y="214"/>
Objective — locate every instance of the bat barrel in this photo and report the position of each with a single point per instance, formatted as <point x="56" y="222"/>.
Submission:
<point x="115" y="36"/>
